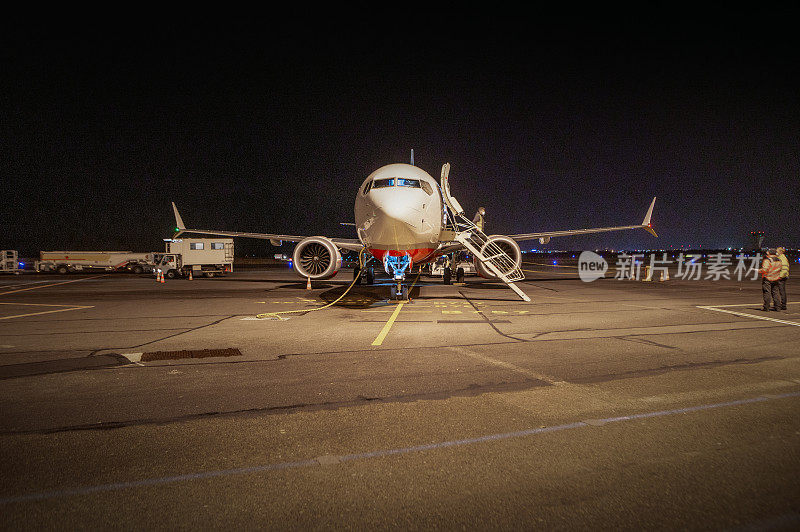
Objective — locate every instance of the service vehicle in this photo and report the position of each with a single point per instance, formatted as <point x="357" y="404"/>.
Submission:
<point x="76" y="261"/>
<point x="208" y="257"/>
<point x="9" y="261"/>
<point x="462" y="268"/>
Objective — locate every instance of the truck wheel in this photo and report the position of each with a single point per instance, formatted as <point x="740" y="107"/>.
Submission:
<point x="171" y="274"/>
<point x="63" y="270"/>
<point x="447" y="276"/>
<point x="138" y="269"/>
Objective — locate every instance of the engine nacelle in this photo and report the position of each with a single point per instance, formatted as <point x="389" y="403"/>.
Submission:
<point x="316" y="257"/>
<point x="508" y="245"/>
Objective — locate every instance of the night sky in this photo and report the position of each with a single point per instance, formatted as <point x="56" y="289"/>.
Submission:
<point x="271" y="125"/>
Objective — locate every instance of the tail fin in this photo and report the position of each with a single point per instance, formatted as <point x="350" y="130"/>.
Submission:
<point x="646" y="222"/>
<point x="179" y="227"/>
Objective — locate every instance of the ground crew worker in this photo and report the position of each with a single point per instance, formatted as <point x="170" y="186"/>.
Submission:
<point x="770" y="273"/>
<point x="784" y="276"/>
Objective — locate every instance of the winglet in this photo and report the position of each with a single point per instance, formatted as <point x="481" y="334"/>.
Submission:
<point x="179" y="221"/>
<point x="646" y="222"/>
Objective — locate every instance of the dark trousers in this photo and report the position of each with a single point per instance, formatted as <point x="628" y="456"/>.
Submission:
<point x="782" y="290"/>
<point x="770" y="288"/>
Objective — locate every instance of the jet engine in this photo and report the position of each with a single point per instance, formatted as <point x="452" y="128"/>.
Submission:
<point x="508" y="245"/>
<point x="316" y="257"/>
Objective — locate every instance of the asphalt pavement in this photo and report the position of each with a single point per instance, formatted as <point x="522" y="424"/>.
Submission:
<point x="618" y="404"/>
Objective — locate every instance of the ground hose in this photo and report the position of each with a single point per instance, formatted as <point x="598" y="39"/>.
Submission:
<point x="277" y="315"/>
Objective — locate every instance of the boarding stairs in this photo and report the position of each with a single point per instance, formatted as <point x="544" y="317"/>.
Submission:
<point x="471" y="236"/>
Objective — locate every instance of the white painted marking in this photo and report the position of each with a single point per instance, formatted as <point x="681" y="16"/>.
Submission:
<point x="44" y="312"/>
<point x="24" y="284"/>
<point x="54" y="284"/>
<point x="751" y="304"/>
<point x="754" y="316"/>
<point x="133" y="357"/>
<point x="528" y="373"/>
<point x="39" y="305"/>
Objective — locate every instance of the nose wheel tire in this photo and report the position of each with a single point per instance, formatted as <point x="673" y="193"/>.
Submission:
<point x="460" y="275"/>
<point x="370" y="276"/>
<point x="357" y="275"/>
<point x="399" y="295"/>
<point x="447" y="276"/>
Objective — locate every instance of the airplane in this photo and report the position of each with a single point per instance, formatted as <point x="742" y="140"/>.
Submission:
<point x="403" y="217"/>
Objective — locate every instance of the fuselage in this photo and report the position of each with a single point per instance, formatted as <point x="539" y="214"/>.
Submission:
<point x="398" y="213"/>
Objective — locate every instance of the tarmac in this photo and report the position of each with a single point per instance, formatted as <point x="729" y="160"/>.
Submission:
<point x="611" y="404"/>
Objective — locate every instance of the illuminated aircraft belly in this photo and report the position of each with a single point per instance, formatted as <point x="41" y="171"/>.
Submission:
<point x="389" y="235"/>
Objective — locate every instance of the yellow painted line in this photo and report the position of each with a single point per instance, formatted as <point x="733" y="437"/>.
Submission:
<point x="388" y="326"/>
<point x="379" y="311"/>
<point x="44" y="312"/>
<point x="549" y="273"/>
<point x="550" y="265"/>
<point x="54" y="284"/>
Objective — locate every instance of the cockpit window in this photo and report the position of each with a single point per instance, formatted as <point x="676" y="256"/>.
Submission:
<point x="401" y="182"/>
<point x="427" y="188"/>
<point x="367" y="187"/>
<point x="382" y="183"/>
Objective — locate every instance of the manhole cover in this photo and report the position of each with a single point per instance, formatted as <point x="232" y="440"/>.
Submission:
<point x="198" y="353"/>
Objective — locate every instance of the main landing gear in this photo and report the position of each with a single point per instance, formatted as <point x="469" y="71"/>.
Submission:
<point x="366" y="275"/>
<point x="447" y="276"/>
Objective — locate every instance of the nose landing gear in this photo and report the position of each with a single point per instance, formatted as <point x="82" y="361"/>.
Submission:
<point x="396" y="266"/>
<point x="399" y="292"/>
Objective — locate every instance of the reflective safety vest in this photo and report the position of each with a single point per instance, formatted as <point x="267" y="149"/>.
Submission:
<point x="771" y="269"/>
<point x="784" y="265"/>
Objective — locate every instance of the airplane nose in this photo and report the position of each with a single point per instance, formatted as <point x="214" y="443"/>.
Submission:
<point x="398" y="209"/>
<point x="399" y="203"/>
<point x="398" y="217"/>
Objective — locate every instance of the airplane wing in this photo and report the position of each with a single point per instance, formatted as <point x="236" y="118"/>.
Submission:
<point x="351" y="244"/>
<point x="545" y="236"/>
